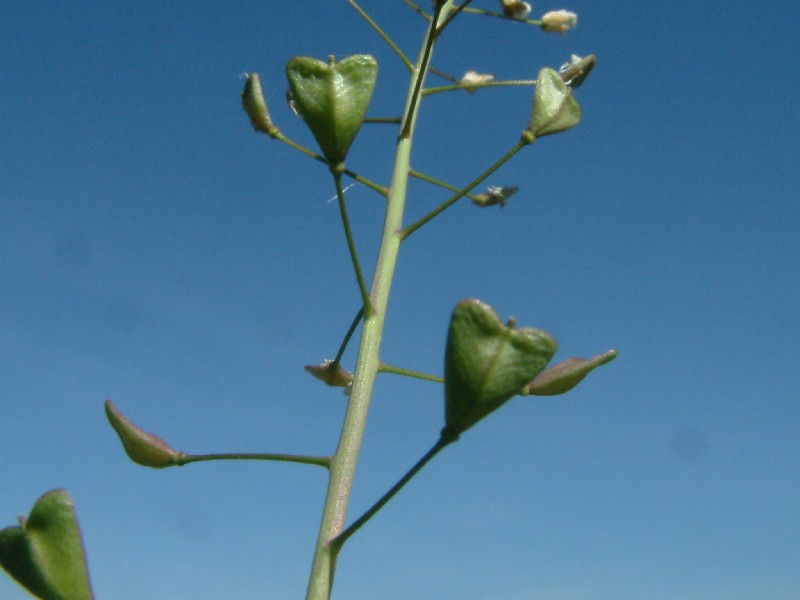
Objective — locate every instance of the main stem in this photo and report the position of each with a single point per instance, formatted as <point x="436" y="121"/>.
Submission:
<point x="344" y="461"/>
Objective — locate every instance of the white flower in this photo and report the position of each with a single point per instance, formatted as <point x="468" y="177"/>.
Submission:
<point x="515" y="9"/>
<point x="473" y="77"/>
<point x="559" y="21"/>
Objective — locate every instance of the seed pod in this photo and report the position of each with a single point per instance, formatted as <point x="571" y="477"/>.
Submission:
<point x="487" y="362"/>
<point x="333" y="98"/>
<point x="564" y="376"/>
<point x="45" y="553"/>
<point x="554" y="107"/>
<point x="141" y="447"/>
<point x="255" y="106"/>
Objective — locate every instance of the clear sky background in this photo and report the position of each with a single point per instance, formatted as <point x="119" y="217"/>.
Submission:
<point x="156" y="251"/>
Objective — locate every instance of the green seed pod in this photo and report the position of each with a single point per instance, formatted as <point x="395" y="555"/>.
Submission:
<point x="487" y="362"/>
<point x="45" y="553"/>
<point x="564" y="376"/>
<point x="255" y="106"/>
<point x="333" y="98"/>
<point x="141" y="447"/>
<point x="554" y="107"/>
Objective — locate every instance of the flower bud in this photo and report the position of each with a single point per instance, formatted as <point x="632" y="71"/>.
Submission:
<point x="559" y="21"/>
<point x="141" y="447"/>
<point x="334" y="376"/>
<point x="575" y="72"/>
<point x="565" y="375"/>
<point x="255" y="106"/>
<point x="472" y="77"/>
<point x="554" y="107"/>
<point x="515" y="9"/>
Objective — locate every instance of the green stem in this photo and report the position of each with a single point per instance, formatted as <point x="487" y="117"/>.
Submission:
<point x="351" y="245"/>
<point x="344" y="461"/>
<point x="423" y="177"/>
<point x="475" y="86"/>
<point x="419" y="75"/>
<point x="359" y="315"/>
<point x="446" y="439"/>
<point x="409" y="65"/>
<point x="384" y="120"/>
<point x="489" y="13"/>
<point x="385" y="368"/>
<point x="453" y="14"/>
<point x="441" y="74"/>
<point x="418" y="10"/>
<point x="362" y="180"/>
<point x="321" y="461"/>
<point x="470" y="186"/>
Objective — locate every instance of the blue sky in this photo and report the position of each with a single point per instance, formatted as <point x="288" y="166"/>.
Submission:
<point x="154" y="250"/>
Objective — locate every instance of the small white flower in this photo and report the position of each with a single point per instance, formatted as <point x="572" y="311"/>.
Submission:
<point x="473" y="77"/>
<point x="515" y="9"/>
<point x="559" y="21"/>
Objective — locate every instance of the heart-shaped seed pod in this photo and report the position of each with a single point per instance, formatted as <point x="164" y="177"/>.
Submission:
<point x="333" y="98"/>
<point x="487" y="362"/>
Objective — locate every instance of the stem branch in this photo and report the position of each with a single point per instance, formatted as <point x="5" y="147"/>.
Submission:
<point x="409" y="65"/>
<point x="321" y="461"/>
<point x="362" y="286"/>
<point x="384" y="368"/>
<point x="446" y="439"/>
<point x="464" y="191"/>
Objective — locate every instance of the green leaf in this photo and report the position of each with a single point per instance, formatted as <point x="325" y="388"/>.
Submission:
<point x="554" y="107"/>
<point x="45" y="554"/>
<point x="333" y="98"/>
<point x="487" y="362"/>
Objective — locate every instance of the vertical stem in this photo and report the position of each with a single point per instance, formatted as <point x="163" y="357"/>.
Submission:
<point x="344" y="461"/>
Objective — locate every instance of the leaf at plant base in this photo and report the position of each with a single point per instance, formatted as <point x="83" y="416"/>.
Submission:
<point x="554" y="107"/>
<point x="564" y="376"/>
<point x="333" y="98"/>
<point x="142" y="447"/>
<point x="487" y="362"/>
<point x="45" y="554"/>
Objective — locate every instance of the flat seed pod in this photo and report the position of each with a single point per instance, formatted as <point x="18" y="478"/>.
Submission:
<point x="487" y="362"/>
<point x="333" y="98"/>
<point x="555" y="109"/>
<point x="45" y="553"/>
